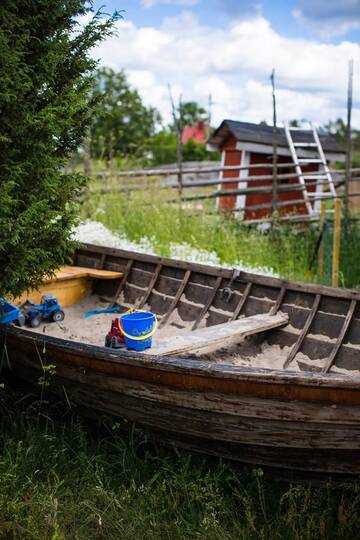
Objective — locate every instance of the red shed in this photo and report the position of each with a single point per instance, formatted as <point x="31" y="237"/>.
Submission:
<point x="243" y="143"/>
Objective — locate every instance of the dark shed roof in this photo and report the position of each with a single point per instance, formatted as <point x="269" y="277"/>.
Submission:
<point x="262" y="134"/>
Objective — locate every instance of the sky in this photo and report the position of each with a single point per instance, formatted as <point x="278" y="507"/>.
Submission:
<point x="228" y="48"/>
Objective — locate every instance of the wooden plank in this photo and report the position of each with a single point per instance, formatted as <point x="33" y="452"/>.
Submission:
<point x="215" y="337"/>
<point x="278" y="302"/>
<point x="71" y="272"/>
<point x="123" y="281"/>
<point x="303" y="332"/>
<point x="208" y="303"/>
<point x="340" y="339"/>
<point x="100" y="263"/>
<point x="151" y="285"/>
<point x="176" y="298"/>
<point x="185" y="373"/>
<point x="192" y="170"/>
<point x="241" y="302"/>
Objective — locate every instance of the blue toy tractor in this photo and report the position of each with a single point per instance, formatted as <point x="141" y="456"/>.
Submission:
<point x="10" y="313"/>
<point x="48" y="309"/>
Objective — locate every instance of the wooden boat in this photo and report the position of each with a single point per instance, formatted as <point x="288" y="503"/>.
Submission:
<point x="287" y="397"/>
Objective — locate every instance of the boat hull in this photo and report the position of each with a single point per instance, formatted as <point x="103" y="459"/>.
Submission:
<point x="289" y="421"/>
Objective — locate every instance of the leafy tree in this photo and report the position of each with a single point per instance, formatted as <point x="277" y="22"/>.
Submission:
<point x="338" y="129"/>
<point x="162" y="149"/>
<point x="191" y="113"/>
<point x="296" y="123"/>
<point x="45" y="80"/>
<point x="194" y="151"/>
<point x="122" y="122"/>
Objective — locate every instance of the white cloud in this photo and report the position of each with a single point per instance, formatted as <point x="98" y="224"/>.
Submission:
<point x="234" y="64"/>
<point x="329" y="17"/>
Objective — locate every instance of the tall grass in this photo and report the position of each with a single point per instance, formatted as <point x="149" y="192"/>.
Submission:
<point x="285" y="249"/>
<point x="145" y="214"/>
<point x="61" y="478"/>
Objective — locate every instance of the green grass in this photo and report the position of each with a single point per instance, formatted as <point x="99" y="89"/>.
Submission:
<point x="63" y="479"/>
<point x="284" y="249"/>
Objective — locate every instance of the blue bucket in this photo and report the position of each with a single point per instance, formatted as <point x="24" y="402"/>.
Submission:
<point x="138" y="329"/>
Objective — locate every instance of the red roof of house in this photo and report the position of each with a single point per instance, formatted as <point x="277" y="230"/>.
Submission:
<point x="196" y="133"/>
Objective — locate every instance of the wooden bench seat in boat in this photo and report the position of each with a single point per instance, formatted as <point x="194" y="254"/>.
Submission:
<point x="70" y="285"/>
<point x="212" y="338"/>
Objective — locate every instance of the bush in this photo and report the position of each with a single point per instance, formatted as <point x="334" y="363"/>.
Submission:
<point x="45" y="80"/>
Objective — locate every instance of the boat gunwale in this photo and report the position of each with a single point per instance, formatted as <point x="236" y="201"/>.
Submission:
<point x="258" y="279"/>
<point x="189" y="366"/>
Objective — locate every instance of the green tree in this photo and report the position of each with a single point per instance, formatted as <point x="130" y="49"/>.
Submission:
<point x="162" y="149"/>
<point x="45" y="81"/>
<point x="338" y="129"/>
<point x="122" y="123"/>
<point x="295" y="123"/>
<point x="191" y="113"/>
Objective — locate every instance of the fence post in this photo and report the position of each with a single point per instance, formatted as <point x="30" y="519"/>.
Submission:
<point x="274" y="141"/>
<point x="321" y="247"/>
<point x="348" y="146"/>
<point x="178" y="131"/>
<point x="336" y="244"/>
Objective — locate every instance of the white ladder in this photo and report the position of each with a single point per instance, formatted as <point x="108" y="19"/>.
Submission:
<point x="321" y="160"/>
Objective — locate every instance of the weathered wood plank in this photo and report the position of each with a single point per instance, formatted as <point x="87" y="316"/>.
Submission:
<point x="151" y="285"/>
<point x="241" y="303"/>
<point x="208" y="303"/>
<point x="101" y="261"/>
<point x="208" y="424"/>
<point x="132" y="294"/>
<point x="264" y="292"/>
<point x="278" y="302"/>
<point x="309" y="461"/>
<point x="341" y="337"/>
<point x="159" y="303"/>
<point x="168" y="285"/>
<point x="123" y="281"/>
<point x="100" y="266"/>
<point x="227" y="273"/>
<point x="304" y="331"/>
<point x="353" y="333"/>
<point x="236" y="405"/>
<point x="190" y="374"/>
<point x="177" y="297"/>
<point x="140" y="277"/>
<point x="218" y="426"/>
<point x="214" y="337"/>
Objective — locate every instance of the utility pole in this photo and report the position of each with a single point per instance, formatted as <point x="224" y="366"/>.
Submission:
<point x="210" y="104"/>
<point x="178" y="131"/>
<point x="274" y="137"/>
<point x="348" y="143"/>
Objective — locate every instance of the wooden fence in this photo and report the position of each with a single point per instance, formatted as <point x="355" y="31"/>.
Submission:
<point x="142" y="179"/>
